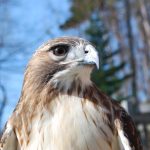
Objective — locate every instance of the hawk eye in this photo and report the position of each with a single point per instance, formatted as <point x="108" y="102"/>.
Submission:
<point x="60" y="50"/>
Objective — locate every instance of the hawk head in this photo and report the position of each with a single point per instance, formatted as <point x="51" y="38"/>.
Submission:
<point x="62" y="63"/>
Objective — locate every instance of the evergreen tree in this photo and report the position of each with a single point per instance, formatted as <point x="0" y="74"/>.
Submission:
<point x="106" y="78"/>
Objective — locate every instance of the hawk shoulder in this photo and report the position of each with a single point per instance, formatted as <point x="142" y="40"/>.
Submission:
<point x="126" y="129"/>
<point x="8" y="140"/>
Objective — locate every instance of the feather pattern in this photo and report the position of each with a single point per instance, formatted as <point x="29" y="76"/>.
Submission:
<point x="60" y="108"/>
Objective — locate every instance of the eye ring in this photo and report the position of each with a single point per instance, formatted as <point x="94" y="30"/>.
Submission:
<point x="60" y="50"/>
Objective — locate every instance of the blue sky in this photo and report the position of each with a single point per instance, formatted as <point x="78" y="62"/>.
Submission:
<point x="32" y="23"/>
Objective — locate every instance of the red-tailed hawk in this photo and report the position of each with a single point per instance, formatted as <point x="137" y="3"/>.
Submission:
<point x="60" y="108"/>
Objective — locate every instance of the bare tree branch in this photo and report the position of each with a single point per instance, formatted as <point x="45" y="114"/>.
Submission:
<point x="2" y="102"/>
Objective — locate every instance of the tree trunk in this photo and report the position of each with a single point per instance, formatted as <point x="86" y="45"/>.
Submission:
<point x="132" y="55"/>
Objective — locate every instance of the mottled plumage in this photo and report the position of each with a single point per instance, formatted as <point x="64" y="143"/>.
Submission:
<point x="60" y="108"/>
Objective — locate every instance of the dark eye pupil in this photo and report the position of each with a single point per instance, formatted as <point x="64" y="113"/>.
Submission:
<point x="60" y="51"/>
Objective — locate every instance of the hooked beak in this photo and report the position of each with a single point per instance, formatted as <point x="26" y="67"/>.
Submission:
<point x="91" y="57"/>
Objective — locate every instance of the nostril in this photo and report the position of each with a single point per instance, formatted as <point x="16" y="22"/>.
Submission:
<point x="86" y="51"/>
